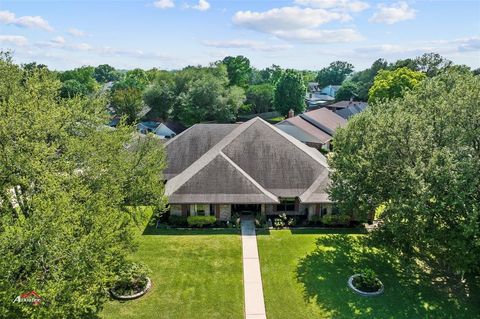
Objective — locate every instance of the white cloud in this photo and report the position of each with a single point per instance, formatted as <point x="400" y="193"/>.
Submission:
<point x="202" y="5"/>
<point x="164" y="4"/>
<point x="320" y="36"/>
<point x="76" y="32"/>
<point x="114" y="52"/>
<point x="470" y="44"/>
<point x="392" y="14"/>
<point x="59" y="40"/>
<point x="286" y="18"/>
<point x="9" y="18"/>
<point x="16" y="40"/>
<point x="455" y="46"/>
<point x="347" y="5"/>
<point x="246" y="44"/>
<point x="297" y="24"/>
<point x="60" y="43"/>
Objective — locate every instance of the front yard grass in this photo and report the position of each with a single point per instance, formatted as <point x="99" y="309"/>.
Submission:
<point x="305" y="275"/>
<point x="195" y="274"/>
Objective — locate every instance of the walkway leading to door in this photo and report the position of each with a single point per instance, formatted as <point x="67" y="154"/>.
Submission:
<point x="252" y="277"/>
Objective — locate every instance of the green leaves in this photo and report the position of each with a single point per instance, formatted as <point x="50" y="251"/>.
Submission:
<point x="67" y="183"/>
<point x="393" y="84"/>
<point x="419" y="159"/>
<point x="334" y="74"/>
<point x="289" y="93"/>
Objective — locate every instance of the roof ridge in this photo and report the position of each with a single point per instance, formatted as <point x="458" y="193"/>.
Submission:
<point x="176" y="182"/>
<point x="251" y="179"/>
<point x="303" y="147"/>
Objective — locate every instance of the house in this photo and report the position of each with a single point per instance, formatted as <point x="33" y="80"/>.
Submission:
<point x="167" y="129"/>
<point x="314" y="128"/>
<point x="351" y="109"/>
<point x="220" y="169"/>
<point x="345" y="104"/>
<point x="330" y="90"/>
<point x="314" y="98"/>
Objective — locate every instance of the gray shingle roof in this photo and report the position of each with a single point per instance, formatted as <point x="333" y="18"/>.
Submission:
<point x="305" y="131"/>
<point x="324" y="119"/>
<point x="191" y="144"/>
<point x="254" y="163"/>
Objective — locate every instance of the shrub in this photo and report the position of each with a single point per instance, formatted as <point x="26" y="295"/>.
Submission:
<point x="278" y="223"/>
<point x="314" y="220"/>
<point x="200" y="221"/>
<point x="282" y="220"/>
<point x="260" y="220"/>
<point x="177" y="221"/>
<point x="235" y="219"/>
<point x="367" y="281"/>
<point x="332" y="220"/>
<point x="292" y="221"/>
<point x="161" y="214"/>
<point x="132" y="278"/>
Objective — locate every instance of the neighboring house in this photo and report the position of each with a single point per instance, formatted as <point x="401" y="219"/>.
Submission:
<point x="314" y="98"/>
<point x="345" y="104"/>
<point x="220" y="169"/>
<point x="167" y="129"/>
<point x="314" y="128"/>
<point x="330" y="90"/>
<point x="352" y="109"/>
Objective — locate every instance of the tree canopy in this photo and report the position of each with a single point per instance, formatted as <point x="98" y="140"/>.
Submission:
<point x="105" y="73"/>
<point x="78" y="81"/>
<point x="238" y="69"/>
<point x="161" y="98"/>
<point x="204" y="95"/>
<point x="419" y="158"/>
<point x="393" y="84"/>
<point x="289" y="93"/>
<point x="67" y="188"/>
<point x="260" y="97"/>
<point x="334" y="74"/>
<point x="127" y="102"/>
<point x="348" y="90"/>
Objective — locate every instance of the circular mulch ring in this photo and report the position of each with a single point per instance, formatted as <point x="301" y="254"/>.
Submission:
<point x="361" y="292"/>
<point x="134" y="296"/>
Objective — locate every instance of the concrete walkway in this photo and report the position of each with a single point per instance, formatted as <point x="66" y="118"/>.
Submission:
<point x="252" y="278"/>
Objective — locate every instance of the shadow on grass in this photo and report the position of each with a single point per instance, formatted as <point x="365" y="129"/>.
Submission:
<point x="409" y="292"/>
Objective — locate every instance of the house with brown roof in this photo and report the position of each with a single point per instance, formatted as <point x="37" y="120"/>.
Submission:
<point x="314" y="128"/>
<point x="220" y="169"/>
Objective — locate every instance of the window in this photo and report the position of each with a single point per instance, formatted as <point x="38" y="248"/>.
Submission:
<point x="202" y="209"/>
<point x="286" y="205"/>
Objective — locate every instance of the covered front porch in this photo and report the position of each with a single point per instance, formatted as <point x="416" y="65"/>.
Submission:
<point x="224" y="211"/>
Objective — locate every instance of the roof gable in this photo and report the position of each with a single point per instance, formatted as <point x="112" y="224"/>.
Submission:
<point x="279" y="162"/>
<point x="188" y="146"/>
<point x="209" y="185"/>
<point x="262" y="161"/>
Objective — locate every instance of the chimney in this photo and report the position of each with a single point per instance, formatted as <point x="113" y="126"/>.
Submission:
<point x="291" y="114"/>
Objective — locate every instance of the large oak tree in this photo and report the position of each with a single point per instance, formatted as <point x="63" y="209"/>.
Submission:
<point x="418" y="157"/>
<point x="69" y="186"/>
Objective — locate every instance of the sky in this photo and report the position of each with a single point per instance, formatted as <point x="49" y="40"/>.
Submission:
<point x="300" y="34"/>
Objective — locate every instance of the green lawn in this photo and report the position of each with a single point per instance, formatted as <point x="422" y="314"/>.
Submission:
<point x="305" y="275"/>
<point x="195" y="274"/>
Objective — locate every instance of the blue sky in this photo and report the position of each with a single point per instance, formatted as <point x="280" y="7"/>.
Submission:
<point x="302" y="34"/>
